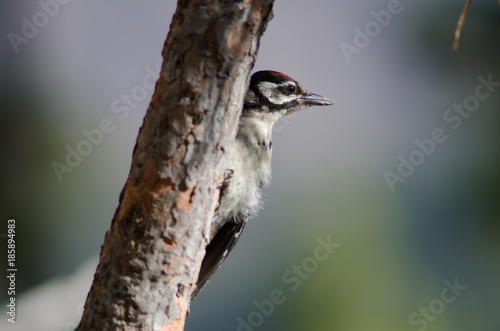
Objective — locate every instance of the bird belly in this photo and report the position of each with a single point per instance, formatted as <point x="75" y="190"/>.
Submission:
<point x="249" y="168"/>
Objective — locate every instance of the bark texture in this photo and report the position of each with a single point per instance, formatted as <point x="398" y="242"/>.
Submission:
<point x="152" y="252"/>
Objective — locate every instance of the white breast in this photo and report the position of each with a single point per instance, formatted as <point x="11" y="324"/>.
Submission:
<point x="249" y="168"/>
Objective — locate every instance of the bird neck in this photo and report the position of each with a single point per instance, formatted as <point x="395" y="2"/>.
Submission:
<point x="255" y="129"/>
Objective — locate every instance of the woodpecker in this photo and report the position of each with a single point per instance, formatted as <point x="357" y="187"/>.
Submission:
<point x="271" y="96"/>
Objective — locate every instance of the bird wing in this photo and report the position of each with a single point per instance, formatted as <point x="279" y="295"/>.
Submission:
<point x="217" y="251"/>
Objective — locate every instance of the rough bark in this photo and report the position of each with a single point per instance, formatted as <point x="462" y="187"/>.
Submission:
<point x="152" y="252"/>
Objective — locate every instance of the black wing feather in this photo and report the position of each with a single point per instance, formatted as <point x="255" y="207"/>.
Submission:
<point x="217" y="251"/>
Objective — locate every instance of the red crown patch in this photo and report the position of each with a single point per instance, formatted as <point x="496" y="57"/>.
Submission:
<point x="277" y="73"/>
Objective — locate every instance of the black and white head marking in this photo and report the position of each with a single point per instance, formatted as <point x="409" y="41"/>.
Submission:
<point x="273" y="91"/>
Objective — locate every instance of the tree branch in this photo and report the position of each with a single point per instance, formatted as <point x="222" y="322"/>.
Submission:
<point x="460" y="23"/>
<point x="152" y="252"/>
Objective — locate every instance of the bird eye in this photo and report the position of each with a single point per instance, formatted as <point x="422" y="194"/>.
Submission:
<point x="290" y="89"/>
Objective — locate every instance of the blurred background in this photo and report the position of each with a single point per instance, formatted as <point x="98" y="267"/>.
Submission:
<point x="413" y="252"/>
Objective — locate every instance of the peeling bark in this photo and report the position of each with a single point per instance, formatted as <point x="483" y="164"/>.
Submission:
<point x="152" y="253"/>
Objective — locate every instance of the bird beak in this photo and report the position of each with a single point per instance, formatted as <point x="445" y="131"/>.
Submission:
<point x="312" y="99"/>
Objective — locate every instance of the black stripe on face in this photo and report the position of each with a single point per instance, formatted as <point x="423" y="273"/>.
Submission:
<point x="278" y="96"/>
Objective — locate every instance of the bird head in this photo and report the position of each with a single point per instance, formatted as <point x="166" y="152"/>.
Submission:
<point x="276" y="95"/>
